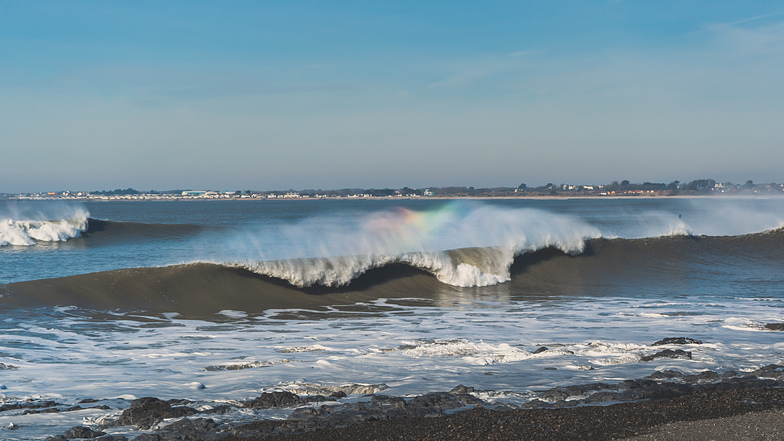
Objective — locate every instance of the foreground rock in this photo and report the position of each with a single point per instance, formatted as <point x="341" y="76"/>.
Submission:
<point x="82" y="432"/>
<point x="659" y="385"/>
<point x="585" y="423"/>
<point x="308" y="419"/>
<point x="147" y="412"/>
<point x="677" y="341"/>
<point x="275" y="400"/>
<point x="667" y="353"/>
<point x="761" y="389"/>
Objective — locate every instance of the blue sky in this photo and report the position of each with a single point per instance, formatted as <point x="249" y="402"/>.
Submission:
<point x="304" y="94"/>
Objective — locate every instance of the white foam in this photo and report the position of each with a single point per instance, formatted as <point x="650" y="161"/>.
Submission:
<point x="478" y="353"/>
<point x="25" y="232"/>
<point x="483" y="240"/>
<point x="27" y="224"/>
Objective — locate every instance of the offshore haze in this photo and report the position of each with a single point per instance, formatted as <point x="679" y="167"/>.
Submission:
<point x="305" y="94"/>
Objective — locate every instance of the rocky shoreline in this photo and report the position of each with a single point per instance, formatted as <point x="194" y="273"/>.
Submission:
<point x="590" y="411"/>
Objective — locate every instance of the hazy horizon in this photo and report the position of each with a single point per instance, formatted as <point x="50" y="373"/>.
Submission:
<point x="247" y="95"/>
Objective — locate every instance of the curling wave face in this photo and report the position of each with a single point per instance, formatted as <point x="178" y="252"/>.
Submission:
<point x="24" y="226"/>
<point x="606" y="267"/>
<point x="462" y="244"/>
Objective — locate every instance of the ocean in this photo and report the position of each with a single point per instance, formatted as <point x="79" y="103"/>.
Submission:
<point x="218" y="301"/>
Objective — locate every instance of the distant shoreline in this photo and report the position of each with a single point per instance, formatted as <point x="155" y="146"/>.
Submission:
<point x="380" y="198"/>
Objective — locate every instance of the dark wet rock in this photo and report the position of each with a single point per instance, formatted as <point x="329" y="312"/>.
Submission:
<point x="702" y="377"/>
<point x="338" y="394"/>
<point x="637" y="384"/>
<point x="146" y="412"/>
<point x="275" y="400"/>
<point x="218" y="410"/>
<point x="665" y="375"/>
<point x="775" y="326"/>
<point x="661" y="387"/>
<point x="88" y="401"/>
<point x="677" y="341"/>
<point x="272" y="400"/>
<point x="562" y="393"/>
<point x="460" y="389"/>
<point x="666" y="384"/>
<point x="80" y="432"/>
<point x="197" y="428"/>
<point x="112" y="438"/>
<point x="29" y="405"/>
<point x="535" y="403"/>
<point x="541" y="349"/>
<point x="742" y="383"/>
<point x="769" y="371"/>
<point x="47" y="410"/>
<point x="599" y="397"/>
<point x="443" y="400"/>
<point x="667" y="353"/>
<point x="380" y="407"/>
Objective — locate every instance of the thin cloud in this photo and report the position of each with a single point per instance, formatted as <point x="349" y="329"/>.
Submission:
<point x="521" y="53"/>
<point x="759" y="17"/>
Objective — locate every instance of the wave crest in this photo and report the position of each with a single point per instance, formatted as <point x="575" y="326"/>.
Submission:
<point x="26" y="228"/>
<point x="464" y="267"/>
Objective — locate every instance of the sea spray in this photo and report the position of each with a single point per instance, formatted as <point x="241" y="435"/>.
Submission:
<point x="461" y="243"/>
<point x="28" y="224"/>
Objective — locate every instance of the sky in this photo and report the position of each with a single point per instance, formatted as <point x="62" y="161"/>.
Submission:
<point x="276" y="95"/>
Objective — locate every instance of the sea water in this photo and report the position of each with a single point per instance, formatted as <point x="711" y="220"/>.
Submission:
<point x="483" y="285"/>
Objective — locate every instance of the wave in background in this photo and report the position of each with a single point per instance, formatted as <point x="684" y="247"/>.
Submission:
<point x="27" y="224"/>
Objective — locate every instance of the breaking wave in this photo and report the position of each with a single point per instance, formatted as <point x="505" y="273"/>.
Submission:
<point x="24" y="226"/>
<point x="204" y="289"/>
<point x="461" y="244"/>
<point x="462" y="267"/>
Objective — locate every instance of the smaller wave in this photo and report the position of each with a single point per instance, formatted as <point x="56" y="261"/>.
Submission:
<point x="28" y="231"/>
<point x="479" y="353"/>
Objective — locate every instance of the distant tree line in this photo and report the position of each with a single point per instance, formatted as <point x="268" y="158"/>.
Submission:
<point x="624" y="187"/>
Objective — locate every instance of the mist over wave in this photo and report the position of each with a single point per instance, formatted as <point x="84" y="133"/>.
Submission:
<point x="27" y="224"/>
<point x="700" y="217"/>
<point x="461" y="243"/>
<point x="465" y="243"/>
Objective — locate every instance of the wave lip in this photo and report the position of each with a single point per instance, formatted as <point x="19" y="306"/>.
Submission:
<point x="30" y="230"/>
<point x="463" y="245"/>
<point x="465" y="267"/>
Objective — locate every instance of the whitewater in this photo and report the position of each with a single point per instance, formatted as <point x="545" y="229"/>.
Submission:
<point x="218" y="301"/>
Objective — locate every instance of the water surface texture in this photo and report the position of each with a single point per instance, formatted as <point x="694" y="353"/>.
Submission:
<point x="215" y="301"/>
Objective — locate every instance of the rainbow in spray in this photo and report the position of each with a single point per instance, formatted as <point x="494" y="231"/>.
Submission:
<point x="461" y="243"/>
